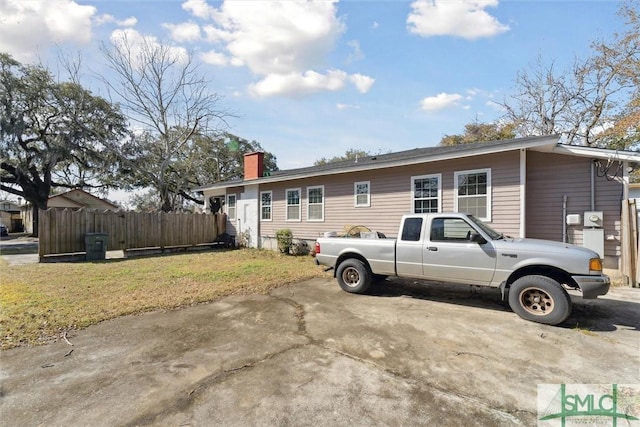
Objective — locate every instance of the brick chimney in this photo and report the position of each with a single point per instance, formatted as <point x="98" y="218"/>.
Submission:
<point x="253" y="165"/>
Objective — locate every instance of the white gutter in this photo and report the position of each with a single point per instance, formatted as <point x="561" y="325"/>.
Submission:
<point x="598" y="153"/>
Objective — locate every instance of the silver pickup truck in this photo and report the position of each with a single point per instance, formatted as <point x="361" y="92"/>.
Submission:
<point x="458" y="248"/>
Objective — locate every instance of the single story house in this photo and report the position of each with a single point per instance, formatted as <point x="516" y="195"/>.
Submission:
<point x="72" y="199"/>
<point x="10" y="216"/>
<point x="527" y="187"/>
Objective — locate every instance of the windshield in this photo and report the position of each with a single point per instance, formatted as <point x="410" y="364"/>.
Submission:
<point x="493" y="234"/>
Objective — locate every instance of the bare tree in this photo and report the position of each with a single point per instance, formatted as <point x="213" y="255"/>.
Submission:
<point x="589" y="100"/>
<point x="163" y="92"/>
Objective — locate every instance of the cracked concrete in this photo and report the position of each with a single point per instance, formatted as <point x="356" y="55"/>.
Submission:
<point x="310" y="354"/>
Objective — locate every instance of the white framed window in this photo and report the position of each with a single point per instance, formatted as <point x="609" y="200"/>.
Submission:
<point x="265" y="205"/>
<point x="315" y="203"/>
<point x="293" y="204"/>
<point x="231" y="206"/>
<point x="426" y="193"/>
<point x="362" y="194"/>
<point x="472" y="193"/>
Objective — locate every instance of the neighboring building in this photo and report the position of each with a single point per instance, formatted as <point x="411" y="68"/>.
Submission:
<point x="72" y="199"/>
<point x="634" y="191"/>
<point x="76" y="199"/>
<point x="10" y="216"/>
<point x="528" y="187"/>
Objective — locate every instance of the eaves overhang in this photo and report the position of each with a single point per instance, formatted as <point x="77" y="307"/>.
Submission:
<point x="598" y="153"/>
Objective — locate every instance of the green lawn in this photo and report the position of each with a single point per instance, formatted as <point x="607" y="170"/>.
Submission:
<point x="40" y="302"/>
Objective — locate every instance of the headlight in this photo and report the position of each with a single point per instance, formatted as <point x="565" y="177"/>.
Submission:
<point x="595" y="264"/>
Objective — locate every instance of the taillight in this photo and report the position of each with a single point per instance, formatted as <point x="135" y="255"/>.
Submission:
<point x="317" y="248"/>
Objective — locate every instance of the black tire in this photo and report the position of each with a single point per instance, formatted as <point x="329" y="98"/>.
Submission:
<point x="353" y="276"/>
<point x="539" y="299"/>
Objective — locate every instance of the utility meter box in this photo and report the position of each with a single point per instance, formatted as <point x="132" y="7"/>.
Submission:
<point x="593" y="219"/>
<point x="574" y="219"/>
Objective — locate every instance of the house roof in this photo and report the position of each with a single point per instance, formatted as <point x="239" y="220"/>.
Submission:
<point x="431" y="154"/>
<point x="78" y="198"/>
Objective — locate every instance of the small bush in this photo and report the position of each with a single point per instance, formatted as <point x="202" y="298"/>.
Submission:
<point x="284" y="238"/>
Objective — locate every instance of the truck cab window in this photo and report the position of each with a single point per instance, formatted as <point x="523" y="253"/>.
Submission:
<point x="411" y="229"/>
<point x="450" y="230"/>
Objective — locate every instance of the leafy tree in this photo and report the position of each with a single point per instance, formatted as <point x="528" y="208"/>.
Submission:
<point x="47" y="128"/>
<point x="204" y="159"/>
<point x="350" y="154"/>
<point x="225" y="158"/>
<point x="595" y="102"/>
<point x="477" y="132"/>
<point x="162" y="91"/>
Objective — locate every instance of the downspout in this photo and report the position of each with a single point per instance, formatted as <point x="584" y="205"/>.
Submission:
<point x="593" y="185"/>
<point x="523" y="193"/>
<point x="564" y="218"/>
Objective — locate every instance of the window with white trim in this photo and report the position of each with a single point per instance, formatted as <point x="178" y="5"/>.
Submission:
<point x="473" y="193"/>
<point x="265" y="205"/>
<point x="293" y="204"/>
<point x="231" y="206"/>
<point x="362" y="194"/>
<point x="426" y="193"/>
<point x="315" y="203"/>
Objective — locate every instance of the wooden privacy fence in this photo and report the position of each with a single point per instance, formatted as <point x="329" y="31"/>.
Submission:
<point x="63" y="231"/>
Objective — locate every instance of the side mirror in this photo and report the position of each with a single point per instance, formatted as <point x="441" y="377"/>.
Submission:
<point x="477" y="238"/>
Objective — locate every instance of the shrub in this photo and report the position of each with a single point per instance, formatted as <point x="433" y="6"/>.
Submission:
<point x="284" y="238"/>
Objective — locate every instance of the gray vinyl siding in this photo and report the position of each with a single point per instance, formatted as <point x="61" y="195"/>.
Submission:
<point x="549" y="178"/>
<point x="391" y="197"/>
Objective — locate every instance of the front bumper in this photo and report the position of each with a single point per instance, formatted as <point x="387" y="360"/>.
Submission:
<point x="593" y="286"/>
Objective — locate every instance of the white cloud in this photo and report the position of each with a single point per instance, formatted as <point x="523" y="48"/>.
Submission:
<point x="137" y="43"/>
<point x="280" y="37"/>
<point x="110" y="19"/>
<point x="185" y="32"/>
<point x="356" y="54"/>
<point x="441" y="101"/>
<point x="347" y="107"/>
<point x="375" y="25"/>
<point x="295" y="84"/>
<point x="282" y="42"/>
<point x="48" y="22"/>
<point x="199" y="8"/>
<point x="215" y="58"/>
<point x="363" y="83"/>
<point x="462" y="18"/>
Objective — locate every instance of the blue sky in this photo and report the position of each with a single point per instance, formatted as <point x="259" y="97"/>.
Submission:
<point x="312" y="79"/>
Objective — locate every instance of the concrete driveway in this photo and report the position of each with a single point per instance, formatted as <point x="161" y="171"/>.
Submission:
<point x="311" y="354"/>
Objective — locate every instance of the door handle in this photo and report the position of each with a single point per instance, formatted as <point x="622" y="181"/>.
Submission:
<point x="432" y="248"/>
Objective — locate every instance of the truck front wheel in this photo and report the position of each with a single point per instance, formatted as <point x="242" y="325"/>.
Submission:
<point x="539" y="299"/>
<point x="353" y="276"/>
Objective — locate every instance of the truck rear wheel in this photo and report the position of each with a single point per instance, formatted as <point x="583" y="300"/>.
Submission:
<point x="539" y="299"/>
<point x="353" y="276"/>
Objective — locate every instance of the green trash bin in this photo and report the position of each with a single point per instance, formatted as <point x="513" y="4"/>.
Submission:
<point x="95" y="245"/>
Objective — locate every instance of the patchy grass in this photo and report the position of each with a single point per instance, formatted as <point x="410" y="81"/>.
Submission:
<point x="39" y="302"/>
